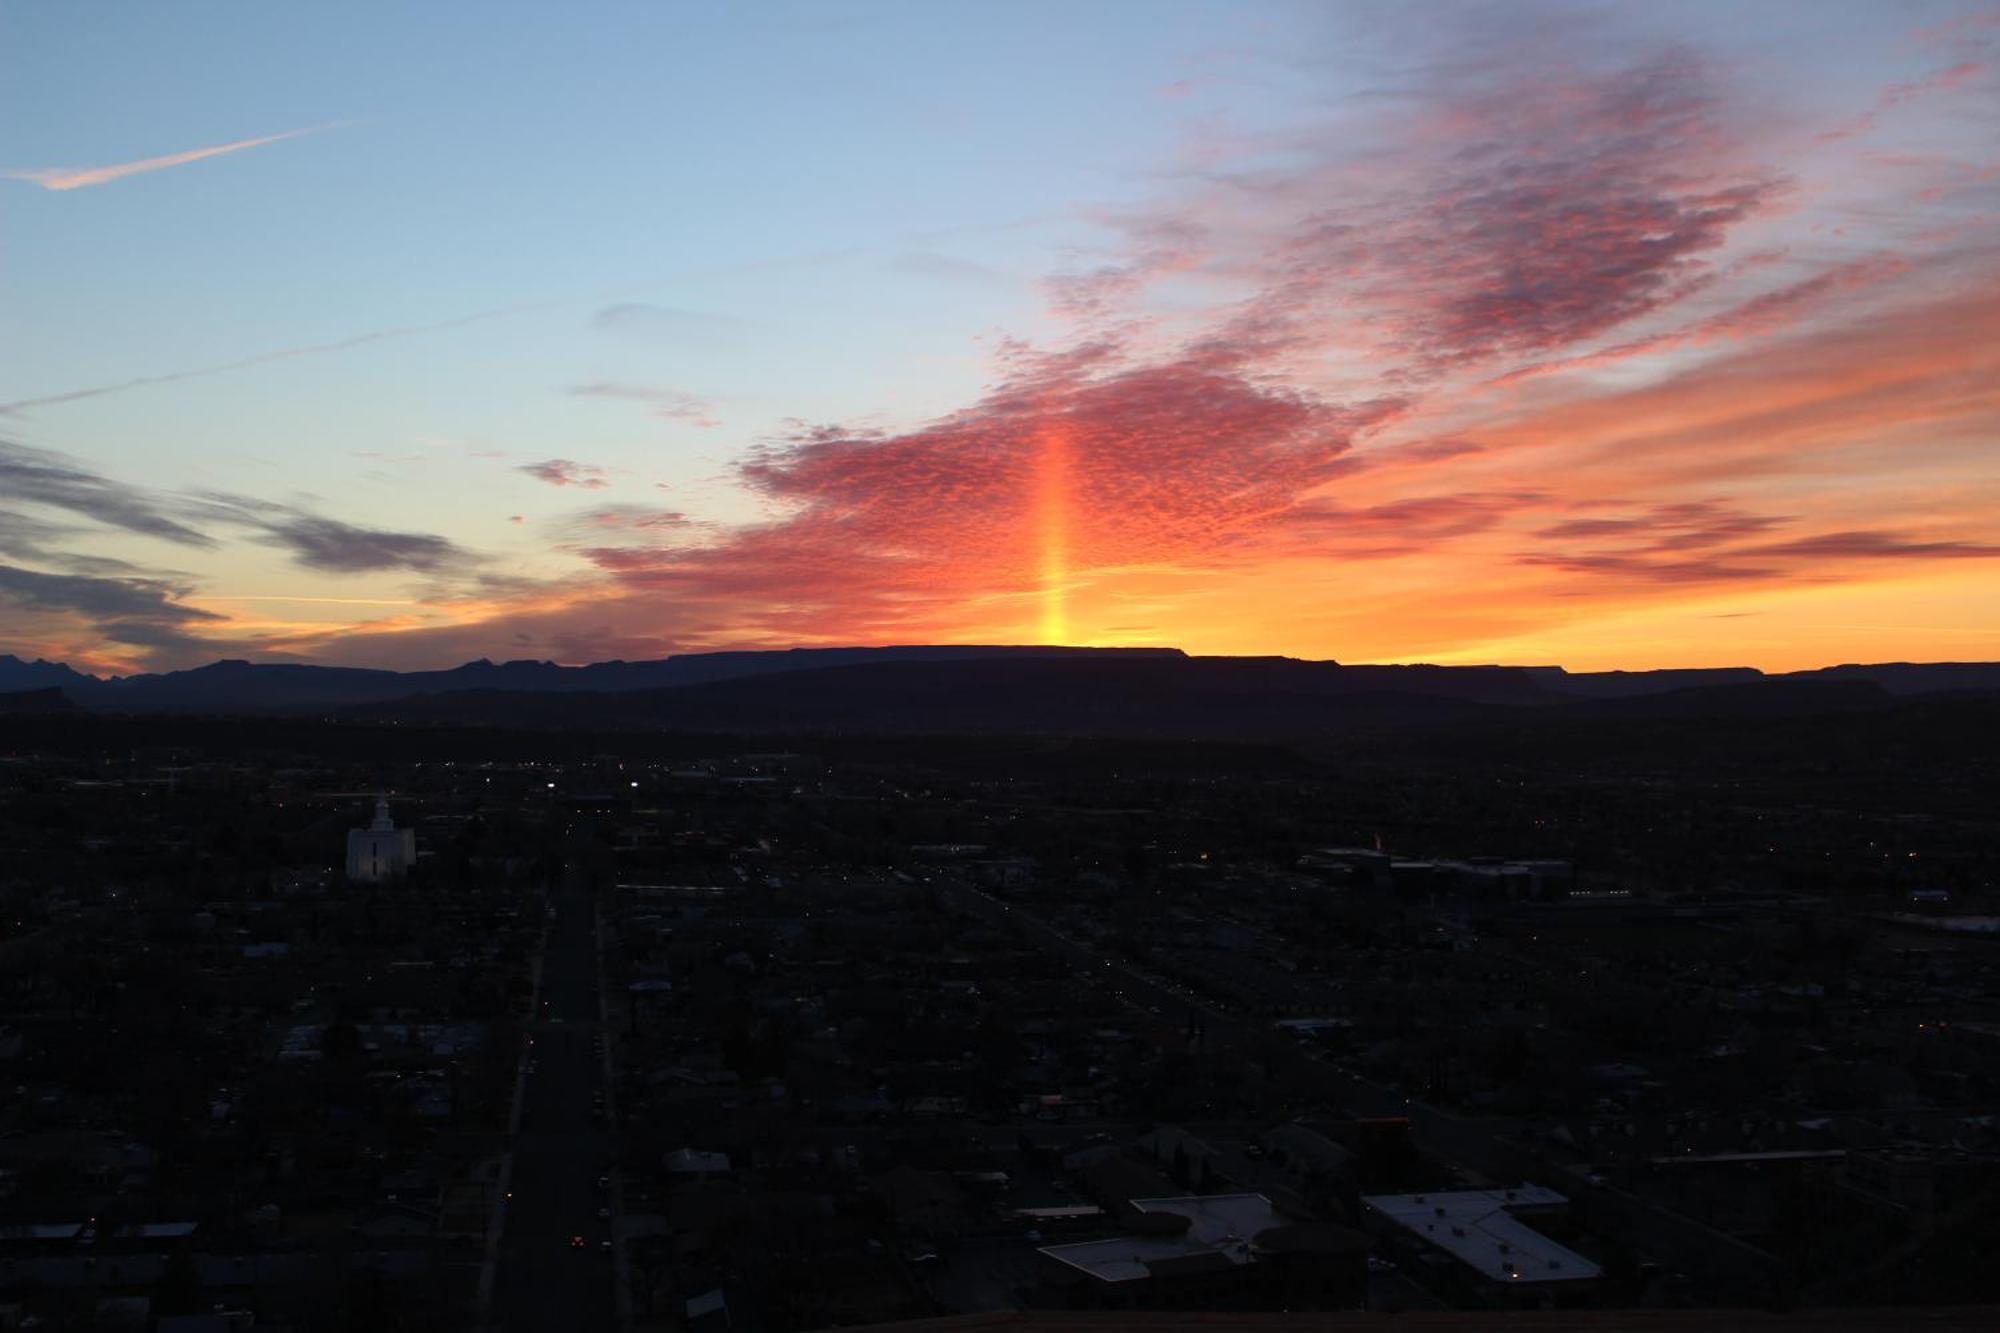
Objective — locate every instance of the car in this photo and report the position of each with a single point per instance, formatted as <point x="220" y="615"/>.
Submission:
<point x="604" y="1214"/>
<point x="604" y="1182"/>
<point x="604" y="1247"/>
<point x="1377" y="1264"/>
<point x="576" y="1242"/>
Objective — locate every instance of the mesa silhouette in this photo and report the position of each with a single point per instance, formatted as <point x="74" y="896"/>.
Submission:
<point x="995" y="688"/>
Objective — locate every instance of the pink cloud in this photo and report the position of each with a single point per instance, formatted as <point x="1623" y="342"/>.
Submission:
<point x="1901" y="94"/>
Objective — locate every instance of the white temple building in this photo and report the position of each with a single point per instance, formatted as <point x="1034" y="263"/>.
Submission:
<point x="381" y="851"/>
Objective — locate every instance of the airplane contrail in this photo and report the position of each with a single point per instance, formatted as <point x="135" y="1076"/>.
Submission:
<point x="75" y="178"/>
<point x="282" y="354"/>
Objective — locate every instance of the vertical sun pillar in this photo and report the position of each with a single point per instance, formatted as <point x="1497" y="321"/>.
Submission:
<point x="1052" y="486"/>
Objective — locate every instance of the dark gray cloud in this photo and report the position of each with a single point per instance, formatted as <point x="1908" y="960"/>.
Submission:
<point x="25" y="536"/>
<point x="39" y="477"/>
<point x="318" y="542"/>
<point x="56" y="504"/>
<point x="135" y="600"/>
<point x="342" y="548"/>
<point x="566" y="472"/>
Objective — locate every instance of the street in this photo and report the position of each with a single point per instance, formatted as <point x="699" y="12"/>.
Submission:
<point x="544" y="1280"/>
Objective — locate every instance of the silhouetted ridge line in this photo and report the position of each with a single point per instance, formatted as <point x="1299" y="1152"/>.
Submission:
<point x="1156" y="690"/>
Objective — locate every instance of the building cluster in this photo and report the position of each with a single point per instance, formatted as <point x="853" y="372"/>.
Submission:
<point x="238" y="1082"/>
<point x="911" y="1028"/>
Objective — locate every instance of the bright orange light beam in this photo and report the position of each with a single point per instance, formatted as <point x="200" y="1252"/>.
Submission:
<point x="1052" y="509"/>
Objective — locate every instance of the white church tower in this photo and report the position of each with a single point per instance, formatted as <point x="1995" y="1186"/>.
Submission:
<point x="381" y="851"/>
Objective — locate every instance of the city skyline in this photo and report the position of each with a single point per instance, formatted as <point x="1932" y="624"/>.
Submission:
<point x="1564" y="333"/>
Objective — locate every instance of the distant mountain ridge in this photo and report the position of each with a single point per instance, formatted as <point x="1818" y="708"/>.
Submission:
<point x="1072" y="695"/>
<point x="941" y="687"/>
<point x="235" y="686"/>
<point x="35" y="703"/>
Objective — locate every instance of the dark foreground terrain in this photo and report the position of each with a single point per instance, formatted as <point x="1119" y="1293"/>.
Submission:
<point x="1689" y="999"/>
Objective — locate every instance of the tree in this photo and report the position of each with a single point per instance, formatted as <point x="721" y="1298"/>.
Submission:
<point x="340" y="1041"/>
<point x="178" y="1288"/>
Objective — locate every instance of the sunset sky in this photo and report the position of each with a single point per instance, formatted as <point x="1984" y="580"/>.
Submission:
<point x="1612" y="335"/>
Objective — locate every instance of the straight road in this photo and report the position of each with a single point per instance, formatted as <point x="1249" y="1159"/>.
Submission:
<point x="544" y="1281"/>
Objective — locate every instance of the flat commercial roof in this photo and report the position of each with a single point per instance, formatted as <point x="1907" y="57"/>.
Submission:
<point x="1218" y="1224"/>
<point x="684" y="1161"/>
<point x="1218" y="1220"/>
<point x="1124" y="1259"/>
<point x="1478" y="1228"/>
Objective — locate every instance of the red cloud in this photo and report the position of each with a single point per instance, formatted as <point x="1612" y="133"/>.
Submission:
<point x="1689" y="525"/>
<point x="1507" y="216"/>
<point x="1878" y="545"/>
<point x="1171" y="462"/>
<point x="1896" y="95"/>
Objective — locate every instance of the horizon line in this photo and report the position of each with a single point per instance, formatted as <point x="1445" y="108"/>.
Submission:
<point x="1134" y="649"/>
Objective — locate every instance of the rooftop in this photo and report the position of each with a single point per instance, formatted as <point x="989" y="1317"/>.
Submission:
<point x="1480" y="1229"/>
<point x="1219" y="1225"/>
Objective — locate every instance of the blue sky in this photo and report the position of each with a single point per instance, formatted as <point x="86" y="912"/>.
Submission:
<point x="840" y="200"/>
<point x="653" y="239"/>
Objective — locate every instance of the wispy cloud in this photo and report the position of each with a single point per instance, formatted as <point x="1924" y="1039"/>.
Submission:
<point x="263" y="358"/>
<point x="663" y="324"/>
<point x="75" y="178"/>
<point x="668" y="404"/>
<point x="566" y="472"/>
<point x="39" y="477"/>
<point x="1900" y="94"/>
<point x="315" y="541"/>
<point x="52" y="592"/>
<point x="139" y="612"/>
